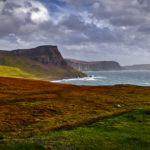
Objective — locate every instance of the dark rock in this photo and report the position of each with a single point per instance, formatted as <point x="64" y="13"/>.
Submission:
<point x="47" y="55"/>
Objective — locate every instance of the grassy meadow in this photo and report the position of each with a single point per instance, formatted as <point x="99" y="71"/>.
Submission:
<point x="39" y="115"/>
<point x="13" y="71"/>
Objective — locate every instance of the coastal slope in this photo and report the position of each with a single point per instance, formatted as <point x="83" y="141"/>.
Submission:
<point x="43" y="62"/>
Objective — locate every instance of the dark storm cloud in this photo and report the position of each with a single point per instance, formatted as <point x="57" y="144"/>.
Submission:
<point x="145" y="28"/>
<point x="127" y="20"/>
<point x="73" y="22"/>
<point x="118" y="12"/>
<point x="9" y="8"/>
<point x="95" y="30"/>
<point x="74" y="30"/>
<point x="144" y="3"/>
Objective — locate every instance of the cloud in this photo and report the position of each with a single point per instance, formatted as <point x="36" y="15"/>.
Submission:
<point x="144" y="28"/>
<point x="93" y="30"/>
<point x="144" y="3"/>
<point x="15" y="15"/>
<point x="127" y="20"/>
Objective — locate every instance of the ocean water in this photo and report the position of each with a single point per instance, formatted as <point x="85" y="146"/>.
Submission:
<point x="111" y="78"/>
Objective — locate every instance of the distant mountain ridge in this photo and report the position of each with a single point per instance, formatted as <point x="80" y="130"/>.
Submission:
<point x="137" y="67"/>
<point x="94" y="65"/>
<point x="43" y="62"/>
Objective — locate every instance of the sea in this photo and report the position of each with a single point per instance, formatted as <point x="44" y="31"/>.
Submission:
<point x="133" y="77"/>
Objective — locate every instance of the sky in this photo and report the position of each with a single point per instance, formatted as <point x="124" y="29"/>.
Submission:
<point x="91" y="30"/>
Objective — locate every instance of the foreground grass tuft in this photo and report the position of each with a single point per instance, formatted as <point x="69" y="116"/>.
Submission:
<point x="128" y="131"/>
<point x="23" y="146"/>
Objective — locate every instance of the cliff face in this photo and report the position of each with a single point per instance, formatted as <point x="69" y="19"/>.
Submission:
<point x="47" y="55"/>
<point x="43" y="62"/>
<point x="94" y="66"/>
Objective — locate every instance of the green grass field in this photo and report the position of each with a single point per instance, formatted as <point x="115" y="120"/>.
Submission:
<point x="128" y="131"/>
<point x="13" y="71"/>
<point x="39" y="115"/>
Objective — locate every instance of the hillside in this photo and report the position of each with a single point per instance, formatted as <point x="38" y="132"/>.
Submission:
<point x="12" y="71"/>
<point x="40" y="111"/>
<point x="43" y="62"/>
<point x="94" y="66"/>
<point x="137" y="67"/>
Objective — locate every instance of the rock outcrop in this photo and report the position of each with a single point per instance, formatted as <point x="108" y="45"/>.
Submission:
<point x="94" y="66"/>
<point x="47" y="55"/>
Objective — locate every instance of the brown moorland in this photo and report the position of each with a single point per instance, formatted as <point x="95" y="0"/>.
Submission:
<point x="30" y="106"/>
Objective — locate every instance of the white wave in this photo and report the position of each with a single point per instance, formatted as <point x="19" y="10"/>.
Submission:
<point x="147" y="83"/>
<point x="56" y="81"/>
<point x="100" y="77"/>
<point x="89" y="78"/>
<point x="80" y="79"/>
